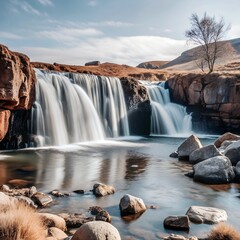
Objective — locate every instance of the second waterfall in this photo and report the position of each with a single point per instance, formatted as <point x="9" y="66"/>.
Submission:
<point x="77" y="107"/>
<point x="167" y="117"/>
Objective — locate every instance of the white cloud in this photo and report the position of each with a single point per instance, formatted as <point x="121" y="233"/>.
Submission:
<point x="234" y="32"/>
<point x="122" y="50"/>
<point x="25" y="6"/>
<point x="72" y="35"/>
<point x="46" y="2"/>
<point x="9" y="35"/>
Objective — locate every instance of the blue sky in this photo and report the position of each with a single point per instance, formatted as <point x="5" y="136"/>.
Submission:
<point x="120" y="31"/>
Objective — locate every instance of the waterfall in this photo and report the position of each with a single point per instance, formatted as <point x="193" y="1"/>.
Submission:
<point x="77" y="107"/>
<point x="167" y="117"/>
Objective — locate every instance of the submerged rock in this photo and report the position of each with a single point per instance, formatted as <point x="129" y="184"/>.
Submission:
<point x="203" y="153"/>
<point x="57" y="193"/>
<point x="208" y="215"/>
<point x="174" y="155"/>
<point x="97" y="230"/>
<point x="177" y="222"/>
<point x="216" y="170"/>
<point x="100" y="189"/>
<point x="131" y="205"/>
<point x="188" y="146"/>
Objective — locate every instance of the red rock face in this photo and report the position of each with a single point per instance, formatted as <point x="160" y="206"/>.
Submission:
<point x="17" y="80"/>
<point x="4" y="122"/>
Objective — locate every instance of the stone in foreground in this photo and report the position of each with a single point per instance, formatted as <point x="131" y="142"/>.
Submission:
<point x="177" y="222"/>
<point x="131" y="205"/>
<point x="96" y="230"/>
<point x="208" y="215"/>
<point x="100" y="189"/>
<point x="188" y="146"/>
<point x="203" y="153"/>
<point x="216" y="170"/>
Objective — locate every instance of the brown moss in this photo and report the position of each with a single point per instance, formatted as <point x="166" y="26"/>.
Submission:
<point x="224" y="232"/>
<point x="20" y="222"/>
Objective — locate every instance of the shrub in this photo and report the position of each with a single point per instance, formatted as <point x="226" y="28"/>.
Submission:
<point x="20" y="222"/>
<point x="223" y="232"/>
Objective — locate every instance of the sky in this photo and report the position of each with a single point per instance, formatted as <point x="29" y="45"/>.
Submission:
<point x="120" y="31"/>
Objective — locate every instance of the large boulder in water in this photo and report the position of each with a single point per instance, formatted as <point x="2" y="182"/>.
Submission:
<point x="233" y="152"/>
<point x="96" y="230"/>
<point x="208" y="215"/>
<point x="216" y="170"/>
<point x="226" y="136"/>
<point x="188" y="146"/>
<point x="131" y="205"/>
<point x="203" y="153"/>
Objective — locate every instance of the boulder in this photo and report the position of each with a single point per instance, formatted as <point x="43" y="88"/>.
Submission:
<point x="188" y="146"/>
<point x="177" y="222"/>
<point x="42" y="199"/>
<point x="56" y="233"/>
<point x="52" y="220"/>
<point x="96" y="230"/>
<point x="100" y="189"/>
<point x="131" y="205"/>
<point x="216" y="170"/>
<point x="4" y="123"/>
<point x="208" y="215"/>
<point x="93" y="63"/>
<point x="203" y="153"/>
<point x="226" y="136"/>
<point x="17" y="80"/>
<point x="233" y="152"/>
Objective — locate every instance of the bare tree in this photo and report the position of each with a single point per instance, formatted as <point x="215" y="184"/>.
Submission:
<point x="207" y="32"/>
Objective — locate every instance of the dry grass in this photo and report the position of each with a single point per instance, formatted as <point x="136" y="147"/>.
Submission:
<point x="20" y="222"/>
<point x="224" y="232"/>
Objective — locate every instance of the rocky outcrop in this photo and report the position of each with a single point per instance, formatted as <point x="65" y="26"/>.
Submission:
<point x="17" y="94"/>
<point x="152" y="64"/>
<point x="214" y="99"/>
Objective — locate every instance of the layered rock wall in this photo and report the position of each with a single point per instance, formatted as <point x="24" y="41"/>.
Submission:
<point x="214" y="99"/>
<point x="17" y="93"/>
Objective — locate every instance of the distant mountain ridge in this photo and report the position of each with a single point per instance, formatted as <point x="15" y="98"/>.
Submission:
<point x="187" y="60"/>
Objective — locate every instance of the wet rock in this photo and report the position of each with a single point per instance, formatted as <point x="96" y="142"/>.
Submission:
<point x="226" y="136"/>
<point x="95" y="210"/>
<point x="97" y="230"/>
<point x="103" y="216"/>
<point x="28" y="201"/>
<point x="75" y="220"/>
<point x="188" y="146"/>
<point x="20" y="183"/>
<point x="100" y="189"/>
<point x="56" y="233"/>
<point x="174" y="155"/>
<point x="57" y="193"/>
<point x="203" y="153"/>
<point x="80" y="191"/>
<point x="216" y="170"/>
<point x="52" y="220"/>
<point x="189" y="174"/>
<point x="207" y="215"/>
<point x="131" y="205"/>
<point x="177" y="222"/>
<point x="41" y="199"/>
<point x="233" y="152"/>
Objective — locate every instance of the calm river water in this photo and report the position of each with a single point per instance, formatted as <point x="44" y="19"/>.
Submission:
<point x="137" y="166"/>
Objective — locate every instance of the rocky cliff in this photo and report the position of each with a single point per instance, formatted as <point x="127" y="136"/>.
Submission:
<point x="17" y="94"/>
<point x="214" y="99"/>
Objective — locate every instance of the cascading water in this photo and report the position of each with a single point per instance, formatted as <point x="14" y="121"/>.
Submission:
<point x="167" y="117"/>
<point x="77" y="107"/>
